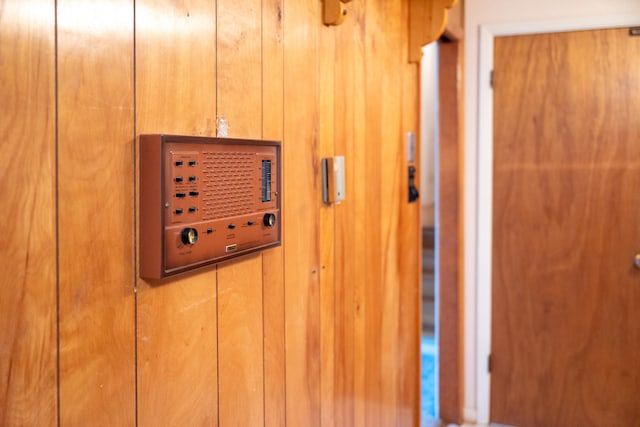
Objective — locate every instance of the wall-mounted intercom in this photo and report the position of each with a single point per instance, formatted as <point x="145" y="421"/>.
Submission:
<point x="205" y="200"/>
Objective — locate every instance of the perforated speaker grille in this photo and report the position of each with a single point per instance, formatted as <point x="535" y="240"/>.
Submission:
<point x="227" y="179"/>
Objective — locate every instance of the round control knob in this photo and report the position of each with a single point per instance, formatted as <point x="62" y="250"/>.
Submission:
<point x="189" y="236"/>
<point x="269" y="219"/>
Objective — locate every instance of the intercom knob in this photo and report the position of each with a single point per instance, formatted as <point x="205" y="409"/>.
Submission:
<point x="269" y="220"/>
<point x="189" y="236"/>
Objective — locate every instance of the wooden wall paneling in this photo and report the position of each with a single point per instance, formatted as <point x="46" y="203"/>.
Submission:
<point x="427" y="21"/>
<point x="240" y="287"/>
<point x="177" y="336"/>
<point x="449" y="245"/>
<point x="393" y="183"/>
<point x="374" y="68"/>
<point x="410" y="252"/>
<point x="356" y="185"/>
<point x="240" y="342"/>
<point x="301" y="204"/>
<point x="28" y="364"/>
<point x="327" y="95"/>
<point x="349" y="229"/>
<point x="409" y="249"/>
<point x="273" y="259"/>
<point x="96" y="212"/>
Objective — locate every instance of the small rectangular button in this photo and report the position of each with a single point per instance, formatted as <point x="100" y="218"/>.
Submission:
<point x="181" y="195"/>
<point x="179" y="163"/>
<point x="192" y="163"/>
<point x="178" y="179"/>
<point x="192" y="209"/>
<point x="193" y="193"/>
<point x="178" y="211"/>
<point x="192" y="178"/>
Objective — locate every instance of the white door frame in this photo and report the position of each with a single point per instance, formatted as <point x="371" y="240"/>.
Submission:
<point x="485" y="176"/>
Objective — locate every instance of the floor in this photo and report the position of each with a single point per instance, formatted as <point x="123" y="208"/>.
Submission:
<point x="428" y="345"/>
<point x="429" y="362"/>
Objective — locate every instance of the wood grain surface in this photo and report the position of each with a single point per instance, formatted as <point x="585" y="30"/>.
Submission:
<point x="374" y="119"/>
<point x="177" y="320"/>
<point x="321" y="331"/>
<point x="450" y="225"/>
<point x="393" y="185"/>
<point x="302" y="198"/>
<point x="240" y="286"/>
<point x="28" y="330"/>
<point x="327" y="96"/>
<point x="96" y="212"/>
<point x="273" y="259"/>
<point x="565" y="338"/>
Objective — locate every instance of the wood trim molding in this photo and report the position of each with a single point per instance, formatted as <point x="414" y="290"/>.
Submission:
<point x="334" y="12"/>
<point x="427" y="22"/>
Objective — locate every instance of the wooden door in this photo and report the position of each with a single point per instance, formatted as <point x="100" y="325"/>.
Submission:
<point x="566" y="228"/>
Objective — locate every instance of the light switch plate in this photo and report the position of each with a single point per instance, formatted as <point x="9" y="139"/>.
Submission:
<point x="411" y="147"/>
<point x="333" y="181"/>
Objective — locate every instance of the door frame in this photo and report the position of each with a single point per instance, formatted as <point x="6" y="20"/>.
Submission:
<point x="480" y="309"/>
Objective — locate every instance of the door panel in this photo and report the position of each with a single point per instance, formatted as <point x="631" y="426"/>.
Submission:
<point x="566" y="227"/>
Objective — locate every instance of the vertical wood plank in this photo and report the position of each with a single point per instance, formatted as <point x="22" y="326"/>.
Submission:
<point x="409" y="246"/>
<point x="450" y="248"/>
<point x="357" y="276"/>
<point x="393" y="186"/>
<point x="177" y="335"/>
<point x="326" y="137"/>
<point x="240" y="287"/>
<point x="240" y="342"/>
<point x="410" y="253"/>
<point x="302" y="197"/>
<point x="349" y="230"/>
<point x="374" y="68"/>
<point x="96" y="212"/>
<point x="273" y="259"/>
<point x="28" y="390"/>
<point x="410" y="265"/>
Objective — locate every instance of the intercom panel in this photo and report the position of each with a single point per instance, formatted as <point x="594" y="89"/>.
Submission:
<point x="205" y="200"/>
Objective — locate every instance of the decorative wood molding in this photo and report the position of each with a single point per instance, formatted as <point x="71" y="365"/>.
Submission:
<point x="334" y="12"/>
<point x="427" y="22"/>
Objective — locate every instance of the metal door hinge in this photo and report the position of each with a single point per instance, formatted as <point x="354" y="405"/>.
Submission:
<point x="489" y="363"/>
<point x="491" y="79"/>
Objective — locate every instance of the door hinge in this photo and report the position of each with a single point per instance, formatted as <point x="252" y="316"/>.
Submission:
<point x="491" y="79"/>
<point x="635" y="31"/>
<point x="489" y="363"/>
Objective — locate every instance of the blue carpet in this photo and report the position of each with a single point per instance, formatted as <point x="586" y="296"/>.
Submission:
<point x="429" y="385"/>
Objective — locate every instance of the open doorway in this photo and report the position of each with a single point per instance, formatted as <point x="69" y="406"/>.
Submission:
<point x="429" y="139"/>
<point x="442" y="270"/>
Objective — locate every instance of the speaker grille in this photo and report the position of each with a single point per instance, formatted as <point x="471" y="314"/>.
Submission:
<point x="227" y="179"/>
